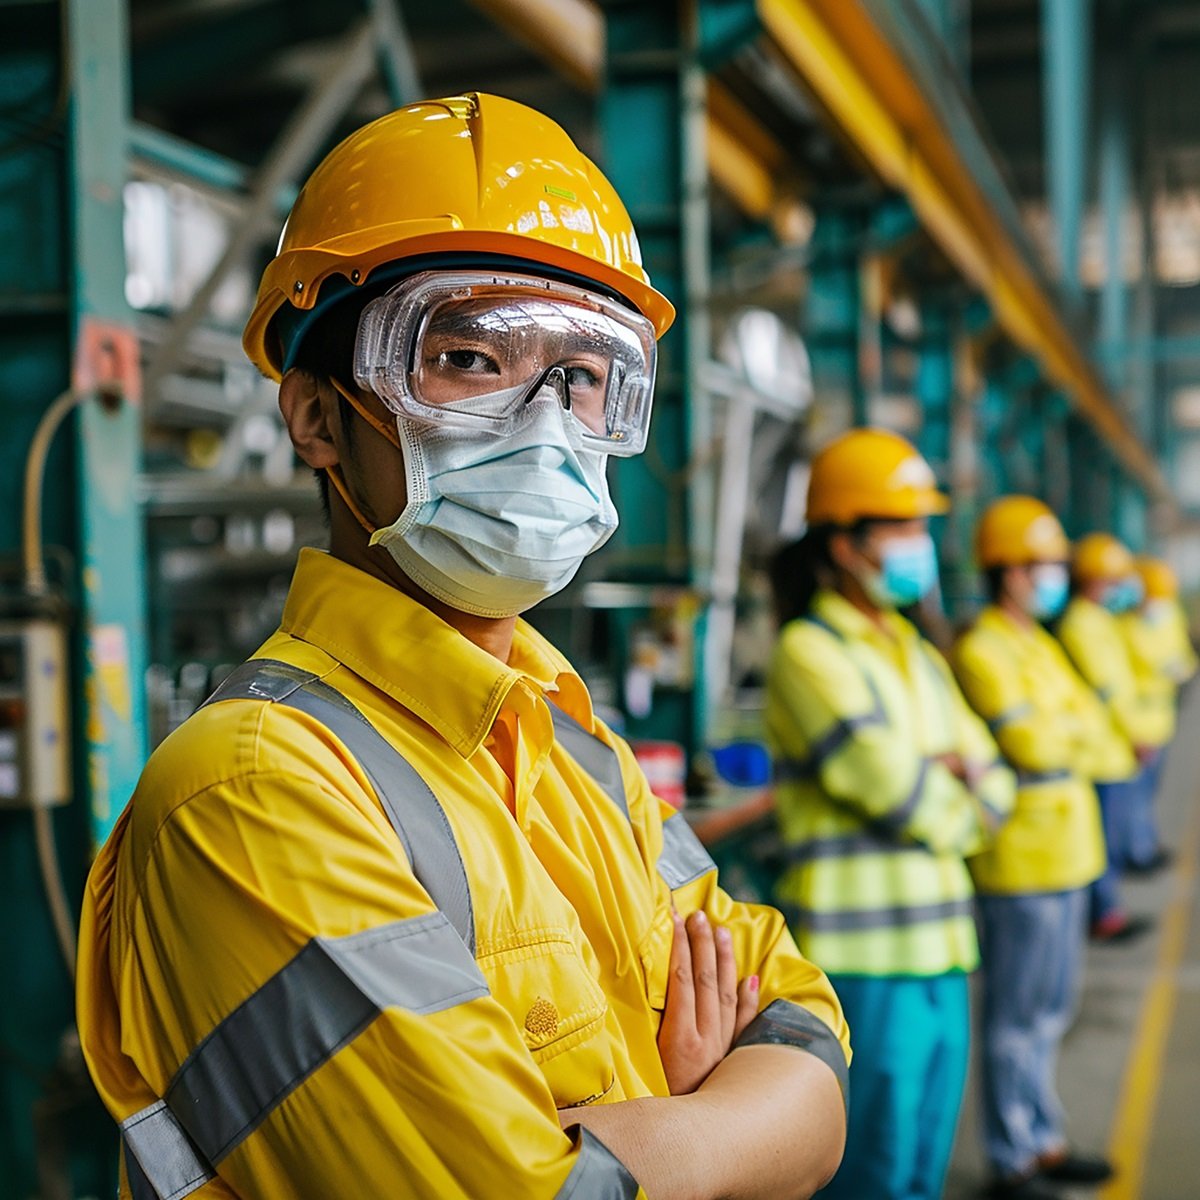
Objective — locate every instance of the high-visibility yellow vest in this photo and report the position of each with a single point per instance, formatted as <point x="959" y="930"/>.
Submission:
<point x="1052" y="729"/>
<point x="1162" y="656"/>
<point x="874" y="825"/>
<point x="386" y="905"/>
<point x="1100" y="652"/>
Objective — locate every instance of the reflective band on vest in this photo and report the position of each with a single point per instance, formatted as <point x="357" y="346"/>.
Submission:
<point x="597" y="758"/>
<point x="1037" y="778"/>
<point x="785" y="1023"/>
<point x="893" y="916"/>
<point x="1017" y="713"/>
<point x="844" y="845"/>
<point x="826" y="746"/>
<point x="900" y="816"/>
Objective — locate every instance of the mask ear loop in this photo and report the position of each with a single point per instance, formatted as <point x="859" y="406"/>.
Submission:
<point x="334" y="473"/>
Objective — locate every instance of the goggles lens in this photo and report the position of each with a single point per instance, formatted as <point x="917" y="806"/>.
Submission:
<point x="469" y="351"/>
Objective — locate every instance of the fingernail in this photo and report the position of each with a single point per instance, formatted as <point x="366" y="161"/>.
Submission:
<point x="722" y="935"/>
<point x="701" y="919"/>
<point x="754" y="983"/>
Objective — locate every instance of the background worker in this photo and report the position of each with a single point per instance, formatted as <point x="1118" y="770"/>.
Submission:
<point x="1104" y="585"/>
<point x="1031" y="882"/>
<point x="1163" y="660"/>
<point x="885" y="780"/>
<point x="395" y="907"/>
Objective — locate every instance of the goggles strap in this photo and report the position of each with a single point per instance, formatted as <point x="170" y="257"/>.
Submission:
<point x="334" y="474"/>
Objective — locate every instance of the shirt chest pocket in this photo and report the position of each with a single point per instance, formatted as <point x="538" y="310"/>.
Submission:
<point x="560" y="1009"/>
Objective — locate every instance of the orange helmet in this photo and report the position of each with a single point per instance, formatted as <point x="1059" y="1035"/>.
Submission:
<point x="871" y="473"/>
<point x="1158" y="580"/>
<point x="1100" y="556"/>
<point x="1019" y="529"/>
<point x="473" y="174"/>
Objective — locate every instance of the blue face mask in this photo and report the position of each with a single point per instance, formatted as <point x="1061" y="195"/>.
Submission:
<point x="1051" y="586"/>
<point x="909" y="570"/>
<point x="1122" y="597"/>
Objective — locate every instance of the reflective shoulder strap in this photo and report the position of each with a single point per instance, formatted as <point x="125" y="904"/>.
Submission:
<point x="410" y="805"/>
<point x="597" y="758"/>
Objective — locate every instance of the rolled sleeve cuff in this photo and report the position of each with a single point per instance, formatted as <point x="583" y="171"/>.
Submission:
<point x="785" y="1023"/>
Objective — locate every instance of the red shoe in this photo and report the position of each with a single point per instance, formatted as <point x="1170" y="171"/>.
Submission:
<point x="1119" y="926"/>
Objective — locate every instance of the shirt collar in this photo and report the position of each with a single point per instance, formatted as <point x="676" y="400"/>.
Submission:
<point x="399" y="646"/>
<point x="853" y="623"/>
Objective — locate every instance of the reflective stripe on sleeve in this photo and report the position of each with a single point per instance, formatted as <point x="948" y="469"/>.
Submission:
<point x="683" y="858"/>
<point x="316" y="1004"/>
<point x="893" y="916"/>
<point x="784" y="1023"/>
<point x="598" y="1174"/>
<point x="902" y="813"/>
<point x="826" y="746"/>
<point x="1017" y="713"/>
<point x="597" y="758"/>
<point x="848" y="845"/>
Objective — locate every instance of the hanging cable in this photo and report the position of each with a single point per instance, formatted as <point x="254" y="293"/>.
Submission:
<point x="35" y="585"/>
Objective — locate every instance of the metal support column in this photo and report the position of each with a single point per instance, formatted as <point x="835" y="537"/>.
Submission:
<point x="1066" y="58"/>
<point x="832" y="321"/>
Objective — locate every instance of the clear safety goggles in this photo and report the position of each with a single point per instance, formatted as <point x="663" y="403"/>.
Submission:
<point x="468" y="349"/>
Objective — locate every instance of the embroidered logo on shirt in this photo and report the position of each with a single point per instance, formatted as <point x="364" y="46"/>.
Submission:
<point x="542" y="1019"/>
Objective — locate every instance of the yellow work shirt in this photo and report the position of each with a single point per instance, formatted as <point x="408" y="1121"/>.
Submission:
<point x="1050" y="727"/>
<point x="1096" y="646"/>
<point x="875" y="824"/>
<point x="255" y="839"/>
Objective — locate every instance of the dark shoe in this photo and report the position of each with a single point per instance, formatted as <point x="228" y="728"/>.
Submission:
<point x="1028" y="1187"/>
<point x="1117" y="927"/>
<point x="1074" y="1168"/>
<point x="1158" y="861"/>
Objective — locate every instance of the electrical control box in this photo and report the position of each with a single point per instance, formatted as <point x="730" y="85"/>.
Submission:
<point x="35" y="769"/>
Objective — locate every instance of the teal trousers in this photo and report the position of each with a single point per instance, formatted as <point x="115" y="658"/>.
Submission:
<point x="910" y="1038"/>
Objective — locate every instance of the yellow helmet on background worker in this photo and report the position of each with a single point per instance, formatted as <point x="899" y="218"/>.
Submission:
<point x="1016" y="530"/>
<point x="1100" y="557"/>
<point x="871" y="473"/>
<point x="1158" y="579"/>
<point x="493" y="179"/>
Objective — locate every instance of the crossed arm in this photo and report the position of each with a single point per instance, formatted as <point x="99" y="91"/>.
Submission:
<point x="756" y="1122"/>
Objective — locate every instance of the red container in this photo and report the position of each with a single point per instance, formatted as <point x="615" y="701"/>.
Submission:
<point x="666" y="768"/>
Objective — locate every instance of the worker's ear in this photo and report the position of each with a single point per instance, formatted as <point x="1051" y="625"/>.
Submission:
<point x="309" y="407"/>
<point x="844" y="551"/>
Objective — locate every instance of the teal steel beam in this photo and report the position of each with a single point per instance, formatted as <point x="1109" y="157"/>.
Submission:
<point x="646" y="111"/>
<point x="109" y="442"/>
<point x="1114" y="185"/>
<point x="1066" y="58"/>
<point x="833" y="313"/>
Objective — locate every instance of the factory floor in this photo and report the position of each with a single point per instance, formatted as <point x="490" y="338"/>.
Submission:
<point x="1130" y="1070"/>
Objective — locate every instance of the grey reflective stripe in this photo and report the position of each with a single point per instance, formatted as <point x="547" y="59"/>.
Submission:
<point x="826" y="746"/>
<point x="259" y="1054"/>
<point x="902" y="813"/>
<point x="1017" y="713"/>
<point x="1036" y="778"/>
<point x="1105" y="694"/>
<point x="160" y="1161"/>
<point x="683" y="858"/>
<point x="847" y="845"/>
<point x="598" y="1174"/>
<point x="410" y="805"/>
<point x="892" y="917"/>
<point x="784" y="1023"/>
<point x="597" y="758"/>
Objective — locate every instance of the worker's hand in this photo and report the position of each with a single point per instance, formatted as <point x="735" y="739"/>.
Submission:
<point x="1145" y="754"/>
<point x="955" y="764"/>
<point x="706" y="1008"/>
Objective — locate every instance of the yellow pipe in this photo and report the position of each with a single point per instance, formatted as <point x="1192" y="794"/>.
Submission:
<point x="867" y="90"/>
<point x="569" y="35"/>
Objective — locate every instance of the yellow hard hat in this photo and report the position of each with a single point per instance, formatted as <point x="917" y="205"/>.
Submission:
<point x="472" y="174"/>
<point x="1101" y="556"/>
<point x="871" y="473"/>
<point x="1019" y="529"/>
<point x="1159" y="581"/>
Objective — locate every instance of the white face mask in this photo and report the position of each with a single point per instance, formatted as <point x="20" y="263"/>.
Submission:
<point x="494" y="525"/>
